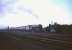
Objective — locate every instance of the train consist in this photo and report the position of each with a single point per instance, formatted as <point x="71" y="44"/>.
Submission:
<point x="30" y="28"/>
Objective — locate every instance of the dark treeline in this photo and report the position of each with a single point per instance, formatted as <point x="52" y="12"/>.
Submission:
<point x="61" y="28"/>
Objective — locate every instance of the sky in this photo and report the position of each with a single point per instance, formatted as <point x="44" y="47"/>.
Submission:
<point x="26" y="12"/>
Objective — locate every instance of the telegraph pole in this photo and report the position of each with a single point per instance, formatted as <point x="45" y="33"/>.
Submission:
<point x="8" y="28"/>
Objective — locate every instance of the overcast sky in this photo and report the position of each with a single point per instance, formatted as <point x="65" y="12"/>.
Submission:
<point x="25" y="12"/>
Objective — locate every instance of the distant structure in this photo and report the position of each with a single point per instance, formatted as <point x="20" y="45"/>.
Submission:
<point x="52" y="27"/>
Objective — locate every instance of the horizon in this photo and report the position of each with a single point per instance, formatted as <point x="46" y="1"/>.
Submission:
<point x="4" y="26"/>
